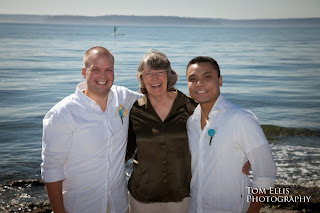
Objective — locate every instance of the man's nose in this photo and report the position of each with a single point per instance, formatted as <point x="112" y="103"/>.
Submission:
<point x="104" y="73"/>
<point x="200" y="82"/>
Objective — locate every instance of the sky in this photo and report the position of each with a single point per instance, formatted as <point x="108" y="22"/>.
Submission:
<point x="226" y="9"/>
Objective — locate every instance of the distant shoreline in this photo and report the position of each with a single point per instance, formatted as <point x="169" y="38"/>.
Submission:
<point x="155" y="20"/>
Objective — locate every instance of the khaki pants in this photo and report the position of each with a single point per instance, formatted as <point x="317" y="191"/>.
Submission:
<point x="169" y="207"/>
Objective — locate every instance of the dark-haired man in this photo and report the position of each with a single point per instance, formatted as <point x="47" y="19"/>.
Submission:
<point x="222" y="137"/>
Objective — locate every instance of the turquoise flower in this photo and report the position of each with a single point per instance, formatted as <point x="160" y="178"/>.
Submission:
<point x="211" y="133"/>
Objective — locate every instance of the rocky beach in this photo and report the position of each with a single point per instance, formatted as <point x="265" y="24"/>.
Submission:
<point x="30" y="196"/>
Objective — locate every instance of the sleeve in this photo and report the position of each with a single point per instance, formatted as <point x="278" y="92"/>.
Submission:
<point x="131" y="144"/>
<point x="56" y="146"/>
<point x="132" y="97"/>
<point x="191" y="105"/>
<point x="256" y="147"/>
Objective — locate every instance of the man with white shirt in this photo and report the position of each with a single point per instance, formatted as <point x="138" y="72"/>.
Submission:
<point x="84" y="142"/>
<point x="222" y="137"/>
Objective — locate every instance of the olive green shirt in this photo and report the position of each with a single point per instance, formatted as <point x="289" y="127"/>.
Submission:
<point x="162" y="160"/>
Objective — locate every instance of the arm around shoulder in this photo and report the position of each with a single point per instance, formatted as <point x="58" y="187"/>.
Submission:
<point x="129" y="95"/>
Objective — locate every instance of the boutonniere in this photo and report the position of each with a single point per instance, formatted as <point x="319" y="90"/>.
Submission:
<point x="211" y="133"/>
<point x="122" y="112"/>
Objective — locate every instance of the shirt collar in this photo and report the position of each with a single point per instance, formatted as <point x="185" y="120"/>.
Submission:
<point x="88" y="101"/>
<point x="220" y="105"/>
<point x="180" y="100"/>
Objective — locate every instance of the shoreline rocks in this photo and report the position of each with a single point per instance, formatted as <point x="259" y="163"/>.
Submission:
<point x="43" y="206"/>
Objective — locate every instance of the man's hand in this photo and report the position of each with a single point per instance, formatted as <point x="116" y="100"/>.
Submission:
<point x="246" y="167"/>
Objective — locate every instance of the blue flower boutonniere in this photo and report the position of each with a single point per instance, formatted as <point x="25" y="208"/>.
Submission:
<point x="211" y="133"/>
<point x="122" y="112"/>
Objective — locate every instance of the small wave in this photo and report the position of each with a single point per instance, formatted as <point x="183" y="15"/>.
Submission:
<point x="22" y="183"/>
<point x="276" y="131"/>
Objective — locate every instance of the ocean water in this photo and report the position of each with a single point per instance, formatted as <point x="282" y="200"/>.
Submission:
<point x="274" y="72"/>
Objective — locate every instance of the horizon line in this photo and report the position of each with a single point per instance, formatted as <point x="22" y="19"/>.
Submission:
<point x="20" y="14"/>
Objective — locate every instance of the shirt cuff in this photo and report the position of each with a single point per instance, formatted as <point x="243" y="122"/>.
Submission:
<point x="53" y="175"/>
<point x="263" y="182"/>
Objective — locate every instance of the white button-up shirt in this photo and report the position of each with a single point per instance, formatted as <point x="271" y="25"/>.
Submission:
<point x="218" y="184"/>
<point x="85" y="147"/>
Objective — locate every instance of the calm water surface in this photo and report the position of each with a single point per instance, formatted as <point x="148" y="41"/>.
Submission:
<point x="275" y="72"/>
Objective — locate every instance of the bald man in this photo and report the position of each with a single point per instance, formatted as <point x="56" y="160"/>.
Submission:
<point x="84" y="142"/>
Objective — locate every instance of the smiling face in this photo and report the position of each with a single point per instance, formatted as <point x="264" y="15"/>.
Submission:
<point x="99" y="74"/>
<point x="155" y="81"/>
<point x="203" y="83"/>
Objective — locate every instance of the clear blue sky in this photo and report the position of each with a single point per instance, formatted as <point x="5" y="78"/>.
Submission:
<point x="228" y="9"/>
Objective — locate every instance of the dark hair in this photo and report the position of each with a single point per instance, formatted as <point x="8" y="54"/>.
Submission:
<point x="205" y="59"/>
<point x="157" y="61"/>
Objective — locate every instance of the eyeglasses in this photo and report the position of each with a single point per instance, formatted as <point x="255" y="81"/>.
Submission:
<point x="158" y="73"/>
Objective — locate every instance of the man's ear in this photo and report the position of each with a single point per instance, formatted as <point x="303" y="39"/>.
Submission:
<point x="84" y="72"/>
<point x="220" y="81"/>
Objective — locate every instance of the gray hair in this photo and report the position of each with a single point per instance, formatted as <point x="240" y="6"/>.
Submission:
<point x="156" y="60"/>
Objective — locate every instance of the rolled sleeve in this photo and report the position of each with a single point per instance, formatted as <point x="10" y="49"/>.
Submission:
<point x="56" y="145"/>
<point x="263" y="167"/>
<point x="256" y="147"/>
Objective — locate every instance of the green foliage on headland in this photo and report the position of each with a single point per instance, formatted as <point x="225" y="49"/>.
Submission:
<point x="276" y="131"/>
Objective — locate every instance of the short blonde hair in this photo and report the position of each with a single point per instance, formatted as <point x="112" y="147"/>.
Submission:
<point x="156" y="60"/>
<point x="95" y="50"/>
